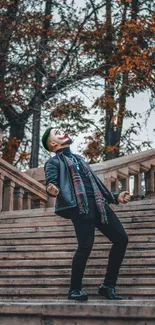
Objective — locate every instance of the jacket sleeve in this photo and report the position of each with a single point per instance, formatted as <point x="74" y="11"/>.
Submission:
<point x="51" y="175"/>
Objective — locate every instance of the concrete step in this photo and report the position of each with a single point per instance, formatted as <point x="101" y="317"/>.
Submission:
<point x="134" y="206"/>
<point x="56" y="220"/>
<point x="30" y="271"/>
<point x="50" y="282"/>
<point x="146" y="203"/>
<point x="49" y="298"/>
<point x="67" y="262"/>
<point x="130" y="210"/>
<point x="126" y="312"/>
<point x="62" y="292"/>
<point x="16" y="227"/>
<point x="100" y="254"/>
<point x="49" y="239"/>
<point x="60" y="233"/>
<point x="72" y="247"/>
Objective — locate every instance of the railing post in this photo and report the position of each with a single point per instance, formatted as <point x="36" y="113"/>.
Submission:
<point x="115" y="186"/>
<point x="1" y="190"/>
<point x="125" y="184"/>
<point x="27" y="201"/>
<point x="137" y="187"/>
<point x="18" y="198"/>
<point x="39" y="204"/>
<point x="107" y="181"/>
<point x="8" y="195"/>
<point x="150" y="183"/>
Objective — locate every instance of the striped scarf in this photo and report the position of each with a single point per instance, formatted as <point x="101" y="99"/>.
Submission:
<point x="80" y="190"/>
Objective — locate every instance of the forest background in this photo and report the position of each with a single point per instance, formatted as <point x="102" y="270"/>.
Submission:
<point x="84" y="66"/>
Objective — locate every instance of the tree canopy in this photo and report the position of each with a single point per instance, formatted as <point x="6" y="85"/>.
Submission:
<point x="49" y="49"/>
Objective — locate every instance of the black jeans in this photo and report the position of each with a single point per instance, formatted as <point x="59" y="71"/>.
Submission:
<point x="85" y="230"/>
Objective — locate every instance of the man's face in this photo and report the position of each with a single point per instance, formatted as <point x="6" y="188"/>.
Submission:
<point x="60" y="137"/>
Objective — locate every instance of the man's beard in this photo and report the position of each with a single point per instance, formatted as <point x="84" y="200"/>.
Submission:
<point x="68" y="141"/>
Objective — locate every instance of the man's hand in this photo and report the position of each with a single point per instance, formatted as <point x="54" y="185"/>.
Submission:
<point x="124" y="197"/>
<point x="52" y="189"/>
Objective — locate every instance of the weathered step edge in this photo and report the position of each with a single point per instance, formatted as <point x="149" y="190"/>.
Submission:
<point x="104" y="309"/>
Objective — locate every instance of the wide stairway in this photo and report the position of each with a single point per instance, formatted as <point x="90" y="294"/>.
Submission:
<point x="36" y="250"/>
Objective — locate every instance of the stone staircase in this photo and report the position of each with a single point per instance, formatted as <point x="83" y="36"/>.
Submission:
<point x="36" y="250"/>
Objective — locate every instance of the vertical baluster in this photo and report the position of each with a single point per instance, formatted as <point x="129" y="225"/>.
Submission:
<point x="117" y="183"/>
<point x="8" y="195"/>
<point x="107" y="181"/>
<point x="27" y="201"/>
<point x="39" y="204"/>
<point x="1" y="190"/>
<point x="18" y="198"/>
<point x="137" y="187"/>
<point x="125" y="184"/>
<point x="150" y="182"/>
<point x="115" y="186"/>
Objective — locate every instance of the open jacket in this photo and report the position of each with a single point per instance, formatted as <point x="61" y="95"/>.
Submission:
<point x="57" y="173"/>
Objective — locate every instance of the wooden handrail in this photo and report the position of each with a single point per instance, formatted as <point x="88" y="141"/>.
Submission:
<point x="23" y="180"/>
<point x="106" y="166"/>
<point x="18" y="190"/>
<point x="125" y="161"/>
<point x="116" y="173"/>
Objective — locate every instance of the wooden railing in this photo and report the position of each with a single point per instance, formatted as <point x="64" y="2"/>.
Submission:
<point x="19" y="191"/>
<point x="26" y="190"/>
<point x="135" y="173"/>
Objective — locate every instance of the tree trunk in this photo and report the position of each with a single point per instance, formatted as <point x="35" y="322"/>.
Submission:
<point x="114" y="130"/>
<point x="110" y="134"/>
<point x="34" y="159"/>
<point x="35" y="137"/>
<point x="122" y="106"/>
<point x="135" y="8"/>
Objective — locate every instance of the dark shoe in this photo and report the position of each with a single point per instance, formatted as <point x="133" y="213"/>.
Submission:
<point x="77" y="295"/>
<point x="108" y="292"/>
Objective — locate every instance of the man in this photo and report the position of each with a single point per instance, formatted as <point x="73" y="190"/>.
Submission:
<point x="83" y="198"/>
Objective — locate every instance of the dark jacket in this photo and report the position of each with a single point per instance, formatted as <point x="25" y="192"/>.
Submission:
<point x="57" y="173"/>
